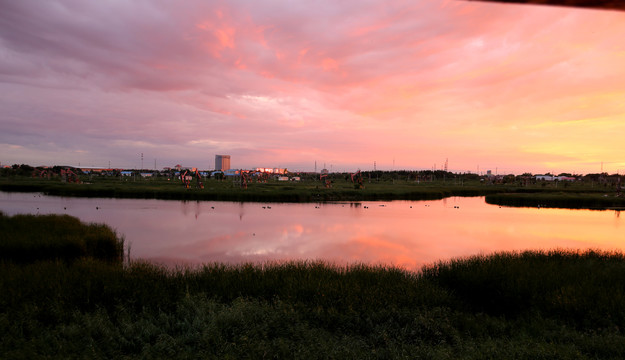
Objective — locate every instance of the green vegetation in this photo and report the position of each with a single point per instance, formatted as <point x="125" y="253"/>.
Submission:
<point x="309" y="190"/>
<point x="29" y="238"/>
<point x="510" y="191"/>
<point x="557" y="304"/>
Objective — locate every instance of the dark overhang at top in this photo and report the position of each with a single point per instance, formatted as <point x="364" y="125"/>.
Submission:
<point x="606" y="5"/>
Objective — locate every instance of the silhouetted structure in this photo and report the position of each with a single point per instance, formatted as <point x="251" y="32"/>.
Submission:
<point x="222" y="162"/>
<point x="607" y="5"/>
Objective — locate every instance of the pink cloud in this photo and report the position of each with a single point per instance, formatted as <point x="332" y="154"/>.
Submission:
<point x="296" y="82"/>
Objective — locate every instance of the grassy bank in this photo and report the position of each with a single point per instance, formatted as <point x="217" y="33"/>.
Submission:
<point x="29" y="238"/>
<point x="272" y="191"/>
<point x="571" y="196"/>
<point x="529" y="305"/>
<point x="559" y="304"/>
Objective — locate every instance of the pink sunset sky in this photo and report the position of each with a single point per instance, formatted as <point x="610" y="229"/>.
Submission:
<point x="404" y="84"/>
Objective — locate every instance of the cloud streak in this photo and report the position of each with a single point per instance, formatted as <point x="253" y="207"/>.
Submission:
<point x="277" y="84"/>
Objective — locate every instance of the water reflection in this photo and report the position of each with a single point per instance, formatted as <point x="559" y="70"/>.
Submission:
<point x="404" y="233"/>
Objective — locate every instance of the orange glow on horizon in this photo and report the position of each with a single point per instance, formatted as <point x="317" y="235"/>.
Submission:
<point x="514" y="87"/>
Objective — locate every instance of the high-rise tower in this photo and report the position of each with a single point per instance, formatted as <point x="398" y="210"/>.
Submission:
<point x="222" y="162"/>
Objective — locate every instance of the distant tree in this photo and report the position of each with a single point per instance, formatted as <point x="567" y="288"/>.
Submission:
<point x="510" y="178"/>
<point x="471" y="176"/>
<point x="23" y="170"/>
<point x="591" y="177"/>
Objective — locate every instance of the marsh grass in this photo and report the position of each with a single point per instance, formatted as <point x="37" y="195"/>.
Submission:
<point x="274" y="191"/>
<point x="307" y="191"/>
<point x="557" y="304"/>
<point x="584" y="289"/>
<point x="28" y="238"/>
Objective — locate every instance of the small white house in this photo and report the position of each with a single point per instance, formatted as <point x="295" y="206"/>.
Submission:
<point x="553" y="178"/>
<point x="545" y="177"/>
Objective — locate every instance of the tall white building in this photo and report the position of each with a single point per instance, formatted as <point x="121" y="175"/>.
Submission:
<point x="222" y="162"/>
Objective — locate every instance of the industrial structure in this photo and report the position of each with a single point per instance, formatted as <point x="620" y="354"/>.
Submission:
<point x="222" y="162"/>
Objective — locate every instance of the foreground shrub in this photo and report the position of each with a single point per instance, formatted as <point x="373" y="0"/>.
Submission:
<point x="28" y="238"/>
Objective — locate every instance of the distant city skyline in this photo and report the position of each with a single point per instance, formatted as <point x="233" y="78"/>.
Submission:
<point x="355" y="85"/>
<point x="482" y="172"/>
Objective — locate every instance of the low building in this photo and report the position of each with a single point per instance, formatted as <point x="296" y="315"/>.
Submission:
<point x="271" y="170"/>
<point x="545" y="177"/>
<point x="554" y="178"/>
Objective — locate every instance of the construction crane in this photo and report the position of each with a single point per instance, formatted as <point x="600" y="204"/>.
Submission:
<point x="187" y="177"/>
<point x="328" y="183"/>
<point x="245" y="179"/>
<point x="41" y="173"/>
<point x="357" y="180"/>
<point x="69" y="176"/>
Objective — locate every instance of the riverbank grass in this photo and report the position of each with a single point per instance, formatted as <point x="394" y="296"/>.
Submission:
<point x="558" y="304"/>
<point x="28" y="238"/>
<point x="579" y="195"/>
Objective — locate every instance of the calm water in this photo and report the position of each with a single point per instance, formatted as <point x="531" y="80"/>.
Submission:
<point x="404" y="233"/>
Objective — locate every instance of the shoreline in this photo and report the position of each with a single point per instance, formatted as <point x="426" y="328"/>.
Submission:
<point x="508" y="195"/>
